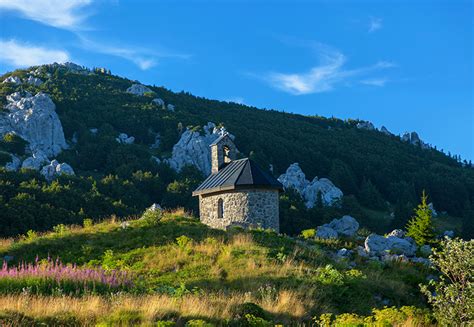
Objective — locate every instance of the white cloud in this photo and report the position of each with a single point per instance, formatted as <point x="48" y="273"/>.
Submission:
<point x="375" y="81"/>
<point x="375" y="24"/>
<point x="18" y="54"/>
<point x="65" y="14"/>
<point x="324" y="77"/>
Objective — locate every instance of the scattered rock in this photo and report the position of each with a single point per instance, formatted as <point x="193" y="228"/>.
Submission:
<point x="326" y="232"/>
<point x="35" y="120"/>
<point x="378" y="245"/>
<point x="296" y="179"/>
<point x="193" y="148"/>
<point x="12" y="79"/>
<point x="36" y="161"/>
<point x="397" y="233"/>
<point x="55" y="169"/>
<point x="362" y="252"/>
<point x="365" y="125"/>
<point x="34" y="81"/>
<point x="124" y="224"/>
<point x="170" y="107"/>
<point x="138" y="89"/>
<point x="125" y="139"/>
<point x="155" y="207"/>
<point x="343" y="253"/>
<point x="423" y="261"/>
<point x="394" y="257"/>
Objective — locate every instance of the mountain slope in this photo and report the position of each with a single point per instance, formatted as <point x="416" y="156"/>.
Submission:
<point x="370" y="167"/>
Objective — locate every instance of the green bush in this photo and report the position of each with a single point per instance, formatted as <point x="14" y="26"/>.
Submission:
<point x="87" y="223"/>
<point x="248" y="308"/>
<point x="198" y="323"/>
<point x="13" y="143"/>
<point x="308" y="233"/>
<point x="151" y="217"/>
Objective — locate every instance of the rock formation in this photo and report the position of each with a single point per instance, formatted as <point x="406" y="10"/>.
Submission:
<point x="138" y="89"/>
<point x="159" y="102"/>
<point x="55" y="169"/>
<point x="193" y="149"/>
<point x="34" y="81"/>
<point x="385" y="131"/>
<point x="346" y="226"/>
<point x="125" y="139"/>
<point x="296" y="179"/>
<point x="12" y="79"/>
<point x="36" y="161"/>
<point x="14" y="164"/>
<point x="365" y="125"/>
<point x="377" y="245"/>
<point x="35" y="120"/>
<point x="170" y="107"/>
<point x="414" y="139"/>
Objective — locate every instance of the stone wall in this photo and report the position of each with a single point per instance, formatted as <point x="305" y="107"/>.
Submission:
<point x="248" y="208"/>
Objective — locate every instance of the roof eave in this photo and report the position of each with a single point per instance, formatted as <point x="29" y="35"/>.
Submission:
<point x="238" y="187"/>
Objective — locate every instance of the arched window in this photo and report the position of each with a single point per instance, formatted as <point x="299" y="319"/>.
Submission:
<point x="220" y="208"/>
<point x="226" y="154"/>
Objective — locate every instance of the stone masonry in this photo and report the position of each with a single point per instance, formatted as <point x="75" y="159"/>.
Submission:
<point x="246" y="208"/>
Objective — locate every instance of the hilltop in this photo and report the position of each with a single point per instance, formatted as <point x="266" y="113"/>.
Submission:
<point x="121" y="146"/>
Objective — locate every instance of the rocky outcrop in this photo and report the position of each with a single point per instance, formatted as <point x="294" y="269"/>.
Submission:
<point x="35" y="120"/>
<point x="414" y="139"/>
<point x="36" y="161"/>
<point x="159" y="102"/>
<point x="365" y="125"/>
<point x="296" y="179"/>
<point x="34" y="81"/>
<point x="12" y="79"/>
<point x="14" y="164"/>
<point x="125" y="139"/>
<point x="433" y="210"/>
<point x="193" y="148"/>
<point x="55" y="169"/>
<point x="345" y="226"/>
<point x="138" y="89"/>
<point x="385" y="131"/>
<point x="170" y="107"/>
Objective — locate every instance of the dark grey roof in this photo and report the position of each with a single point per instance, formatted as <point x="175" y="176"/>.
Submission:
<point x="219" y="138"/>
<point x="243" y="173"/>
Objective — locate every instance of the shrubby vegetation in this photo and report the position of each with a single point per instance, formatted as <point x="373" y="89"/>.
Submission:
<point x="379" y="174"/>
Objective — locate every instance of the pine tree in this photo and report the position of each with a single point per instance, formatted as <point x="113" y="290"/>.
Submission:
<point x="420" y="226"/>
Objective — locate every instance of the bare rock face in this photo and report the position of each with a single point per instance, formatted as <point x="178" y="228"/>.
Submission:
<point x="55" y="169"/>
<point x="34" y="81"/>
<point x="414" y="139"/>
<point x="385" y="131"/>
<point x="193" y="148"/>
<point x="296" y="179"/>
<point x="125" y="139"/>
<point x="326" y="232"/>
<point x="159" y="102"/>
<point x="365" y="125"/>
<point x="12" y="79"/>
<point x="170" y="107"/>
<point x="35" y="120"/>
<point x="138" y="89"/>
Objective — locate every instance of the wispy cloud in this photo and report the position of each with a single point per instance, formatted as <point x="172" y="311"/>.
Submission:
<point x="66" y="14"/>
<point x="375" y="24"/>
<point x="325" y="77"/>
<point x="374" y="81"/>
<point x="17" y="54"/>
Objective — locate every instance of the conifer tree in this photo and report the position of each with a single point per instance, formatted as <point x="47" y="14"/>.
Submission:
<point x="420" y="226"/>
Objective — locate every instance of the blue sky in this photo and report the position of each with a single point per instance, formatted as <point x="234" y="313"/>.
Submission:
<point x="407" y="65"/>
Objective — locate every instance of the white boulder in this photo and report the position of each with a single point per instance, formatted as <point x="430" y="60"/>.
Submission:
<point x="346" y="225"/>
<point x="448" y="234"/>
<point x="159" y="102"/>
<point x="35" y="120"/>
<point x="296" y="179"/>
<point x="138" y="89"/>
<point x="170" y="107"/>
<point x="397" y="233"/>
<point x="55" y="169"/>
<point x="125" y="139"/>
<point x="36" y="161"/>
<point x="12" y="79"/>
<point x="193" y="148"/>
<point x="378" y="245"/>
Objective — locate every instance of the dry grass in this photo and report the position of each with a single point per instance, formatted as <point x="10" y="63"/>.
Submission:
<point x="92" y="309"/>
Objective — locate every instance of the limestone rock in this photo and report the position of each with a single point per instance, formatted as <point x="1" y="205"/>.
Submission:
<point x="13" y="165"/>
<point x="12" y="79"/>
<point x="138" y="89"/>
<point x="296" y="179"/>
<point x="36" y="161"/>
<point x="55" y="169"/>
<point x="125" y="139"/>
<point x="170" y="107"/>
<point x="343" y="253"/>
<point x="365" y="125"/>
<point x="34" y="81"/>
<point x="159" y="102"/>
<point x="433" y="211"/>
<point x="378" y="245"/>
<point x="155" y="207"/>
<point x="397" y="233"/>
<point x="385" y="131"/>
<point x="193" y="148"/>
<point x="423" y="261"/>
<point x="325" y="232"/>
<point x="35" y="120"/>
<point x="93" y="130"/>
<point x="347" y="225"/>
<point x="414" y="139"/>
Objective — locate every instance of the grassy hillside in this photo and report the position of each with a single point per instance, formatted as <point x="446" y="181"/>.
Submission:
<point x="182" y="270"/>
<point x="376" y="172"/>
